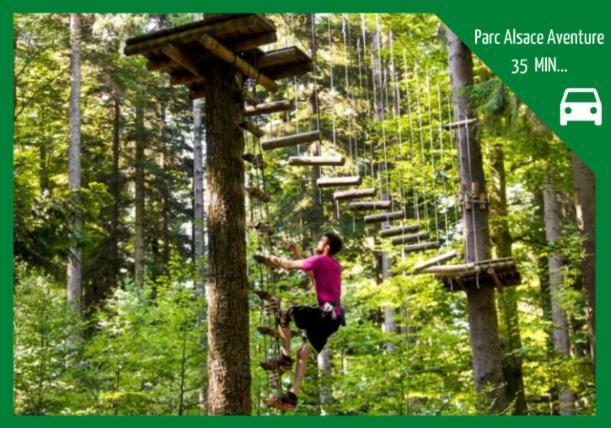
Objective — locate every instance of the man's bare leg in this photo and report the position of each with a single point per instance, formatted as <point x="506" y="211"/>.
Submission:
<point x="302" y="363"/>
<point x="285" y="340"/>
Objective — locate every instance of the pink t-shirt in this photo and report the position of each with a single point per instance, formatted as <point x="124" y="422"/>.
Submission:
<point x="328" y="277"/>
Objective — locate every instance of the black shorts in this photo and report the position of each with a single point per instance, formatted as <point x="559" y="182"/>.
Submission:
<point x="317" y="324"/>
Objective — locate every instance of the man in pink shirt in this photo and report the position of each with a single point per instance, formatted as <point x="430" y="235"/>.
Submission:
<point x="319" y="322"/>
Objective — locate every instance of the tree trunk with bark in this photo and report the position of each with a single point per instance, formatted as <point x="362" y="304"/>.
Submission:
<point x="115" y="189"/>
<point x="483" y="323"/>
<point x="229" y="376"/>
<point x="556" y="282"/>
<point x="509" y="328"/>
<point x="74" y="161"/>
<point x="139" y="160"/>
<point x="585" y="182"/>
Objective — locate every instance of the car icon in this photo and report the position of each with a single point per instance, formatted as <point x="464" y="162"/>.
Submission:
<point x="581" y="105"/>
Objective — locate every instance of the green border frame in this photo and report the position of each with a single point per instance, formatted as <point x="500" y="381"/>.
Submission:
<point x="588" y="66"/>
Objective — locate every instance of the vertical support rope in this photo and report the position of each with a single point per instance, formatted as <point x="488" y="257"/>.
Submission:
<point x="431" y="149"/>
<point x="422" y="155"/>
<point x="441" y="151"/>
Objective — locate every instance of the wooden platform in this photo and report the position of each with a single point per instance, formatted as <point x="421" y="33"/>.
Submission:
<point x="183" y="52"/>
<point x="487" y="273"/>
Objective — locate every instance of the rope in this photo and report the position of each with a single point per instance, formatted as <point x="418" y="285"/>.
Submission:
<point x="441" y="150"/>
<point x="434" y="177"/>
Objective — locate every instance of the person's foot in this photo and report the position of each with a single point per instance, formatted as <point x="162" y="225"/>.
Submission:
<point x="281" y="365"/>
<point x="286" y="401"/>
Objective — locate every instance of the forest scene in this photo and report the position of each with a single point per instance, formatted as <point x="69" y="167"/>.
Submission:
<point x="172" y="172"/>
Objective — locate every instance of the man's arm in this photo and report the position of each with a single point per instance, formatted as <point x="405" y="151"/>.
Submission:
<point x="285" y="263"/>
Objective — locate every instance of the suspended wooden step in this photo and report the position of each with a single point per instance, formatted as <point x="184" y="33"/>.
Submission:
<point x="351" y="180"/>
<point x="253" y="129"/>
<point x="291" y="140"/>
<point x="264" y="295"/>
<point x="487" y="273"/>
<point x="255" y="160"/>
<point x="267" y="108"/>
<point x="247" y="97"/>
<point x="399" y="230"/>
<point x="345" y="195"/>
<point x="378" y="218"/>
<point x="435" y="261"/>
<point x="460" y="123"/>
<point x="263" y="228"/>
<point x="422" y="246"/>
<point x="369" y="205"/>
<point x="412" y="237"/>
<point x="317" y="160"/>
<point x="257" y="193"/>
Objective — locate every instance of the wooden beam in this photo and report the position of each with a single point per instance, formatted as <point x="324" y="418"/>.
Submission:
<point x="350" y="180"/>
<point x="369" y="205"/>
<point x="281" y="56"/>
<point x="435" y="261"/>
<point x="252" y="128"/>
<point x="196" y="92"/>
<point x="317" y="160"/>
<point x="291" y="70"/>
<point x="229" y="57"/>
<point x="345" y="195"/>
<point x="176" y="54"/>
<point x="378" y="218"/>
<point x="291" y="140"/>
<point x="422" y="246"/>
<point x="399" y="230"/>
<point x="180" y="77"/>
<point x="271" y="107"/>
<point x="411" y="237"/>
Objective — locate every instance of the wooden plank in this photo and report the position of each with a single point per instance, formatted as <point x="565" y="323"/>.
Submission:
<point x="317" y="160"/>
<point x="291" y="140"/>
<point x="253" y="129"/>
<point x="435" y="261"/>
<point x="350" y="180"/>
<point x="293" y="70"/>
<point x="346" y="195"/>
<point x="460" y="123"/>
<point x="378" y="218"/>
<point x="399" y="230"/>
<point x="422" y="246"/>
<point x="187" y="33"/>
<point x="271" y="107"/>
<point x="369" y="205"/>
<point x="229" y="57"/>
<point x="181" y="77"/>
<point x="280" y="57"/>
<point x="411" y="237"/>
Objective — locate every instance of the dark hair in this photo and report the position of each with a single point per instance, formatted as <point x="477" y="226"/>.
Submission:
<point x="334" y="241"/>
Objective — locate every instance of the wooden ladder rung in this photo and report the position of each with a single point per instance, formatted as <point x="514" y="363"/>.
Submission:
<point x="412" y="237"/>
<point x="422" y="246"/>
<point x="252" y="128"/>
<point x="435" y="261"/>
<point x="460" y="123"/>
<point x="267" y="108"/>
<point x="378" y="218"/>
<point x="263" y="228"/>
<point x="369" y="205"/>
<point x="257" y="193"/>
<point x="317" y="160"/>
<point x="291" y="140"/>
<point x="345" y="195"/>
<point x="399" y="230"/>
<point x="255" y="160"/>
<point x="351" y="180"/>
<point x="265" y="295"/>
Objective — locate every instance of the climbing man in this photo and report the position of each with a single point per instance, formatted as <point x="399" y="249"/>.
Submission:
<point x="319" y="322"/>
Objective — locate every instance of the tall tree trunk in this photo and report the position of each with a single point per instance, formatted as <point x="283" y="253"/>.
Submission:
<point x="139" y="258"/>
<point x="585" y="204"/>
<point x="74" y="160"/>
<point x="556" y="282"/>
<point x="229" y="376"/>
<point x="115" y="189"/>
<point x="166" y="164"/>
<point x="198" y="224"/>
<point x="509" y="328"/>
<point x="483" y="323"/>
